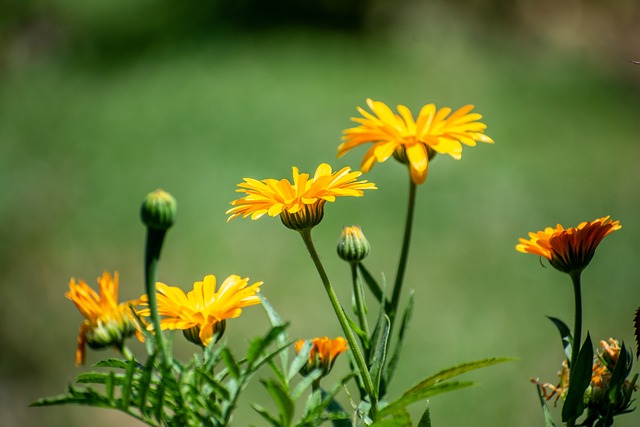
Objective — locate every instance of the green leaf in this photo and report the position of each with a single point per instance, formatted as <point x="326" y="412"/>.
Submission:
<point x="399" y="418"/>
<point x="282" y="400"/>
<point x="457" y="370"/>
<point x="275" y="320"/>
<point x="230" y="363"/>
<point x="128" y="385"/>
<point x="259" y="345"/>
<point x="420" y="394"/>
<point x="579" y="380"/>
<point x="406" y="319"/>
<point x="380" y="353"/>
<point x="218" y="389"/>
<point x="619" y="375"/>
<point x="433" y="385"/>
<point x="98" y="378"/>
<point x="112" y="363"/>
<point x="371" y="282"/>
<point x="145" y="382"/>
<point x="425" y="419"/>
<point x="265" y="414"/>
<point x="299" y="361"/>
<point x="565" y="335"/>
<point x="548" y="420"/>
<point x="305" y="383"/>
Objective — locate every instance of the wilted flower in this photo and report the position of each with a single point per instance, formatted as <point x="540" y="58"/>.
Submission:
<point x="569" y="250"/>
<point x="606" y="396"/>
<point x="413" y="142"/>
<point x="201" y="313"/>
<point x="301" y="204"/>
<point x="107" y="323"/>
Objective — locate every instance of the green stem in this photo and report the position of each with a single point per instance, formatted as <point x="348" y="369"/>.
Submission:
<point x="126" y="353"/>
<point x="155" y="237"/>
<point x="342" y="318"/>
<point x="359" y="298"/>
<point x="404" y="255"/>
<point x="577" y="328"/>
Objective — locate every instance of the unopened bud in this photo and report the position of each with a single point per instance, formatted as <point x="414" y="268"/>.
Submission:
<point x="158" y="210"/>
<point x="353" y="246"/>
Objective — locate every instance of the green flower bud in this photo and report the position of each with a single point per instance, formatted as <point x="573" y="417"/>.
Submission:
<point x="352" y="245"/>
<point x="158" y="210"/>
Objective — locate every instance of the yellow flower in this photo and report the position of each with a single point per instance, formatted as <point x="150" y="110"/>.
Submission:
<point x="201" y="312"/>
<point x="323" y="353"/>
<point x="107" y="323"/>
<point x="413" y="142"/>
<point x="569" y="250"/>
<point x="301" y="204"/>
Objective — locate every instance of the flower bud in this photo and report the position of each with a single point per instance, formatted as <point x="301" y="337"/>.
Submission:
<point x="306" y="218"/>
<point x="158" y="210"/>
<point x="110" y="329"/>
<point x="353" y="246"/>
<point x="193" y="334"/>
<point x="323" y="354"/>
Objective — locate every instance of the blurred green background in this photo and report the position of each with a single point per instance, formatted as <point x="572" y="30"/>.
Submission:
<point x="104" y="101"/>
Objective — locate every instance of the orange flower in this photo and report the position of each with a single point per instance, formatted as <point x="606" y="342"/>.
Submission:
<point x="323" y="353"/>
<point x="569" y="250"/>
<point x="107" y="323"/>
<point x="413" y="142"/>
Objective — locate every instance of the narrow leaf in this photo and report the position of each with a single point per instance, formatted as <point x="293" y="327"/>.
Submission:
<point x="299" y="361"/>
<point x="145" y="382"/>
<point x="417" y="395"/>
<point x="406" y="319"/>
<point x="619" y="374"/>
<point x="380" y="354"/>
<point x="275" y="320"/>
<point x="128" y="385"/>
<point x="371" y="282"/>
<point x="548" y="420"/>
<point x="305" y="383"/>
<point x="265" y="414"/>
<point x="454" y="371"/>
<point x="565" y="335"/>
<point x="637" y="331"/>
<point x="282" y="400"/>
<point x="112" y="363"/>
<point x="579" y="380"/>
<point x="425" y="419"/>
<point x="259" y="345"/>
<point x="230" y="363"/>
<point x="399" y="418"/>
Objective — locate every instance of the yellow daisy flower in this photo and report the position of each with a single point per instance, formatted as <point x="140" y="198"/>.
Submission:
<point x="569" y="250"/>
<point x="301" y="204"/>
<point x="323" y="353"/>
<point x="107" y="323"/>
<point x="202" y="312"/>
<point x="413" y="142"/>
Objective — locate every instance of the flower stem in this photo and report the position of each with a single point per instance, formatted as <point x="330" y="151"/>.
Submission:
<point x="155" y="237"/>
<point x="404" y="255"/>
<point x="359" y="298"/>
<point x="342" y="318"/>
<point x="577" y="328"/>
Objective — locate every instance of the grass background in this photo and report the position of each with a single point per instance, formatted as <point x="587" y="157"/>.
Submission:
<point x="89" y="125"/>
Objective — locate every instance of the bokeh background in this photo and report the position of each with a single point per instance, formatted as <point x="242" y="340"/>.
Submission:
<point x="104" y="101"/>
